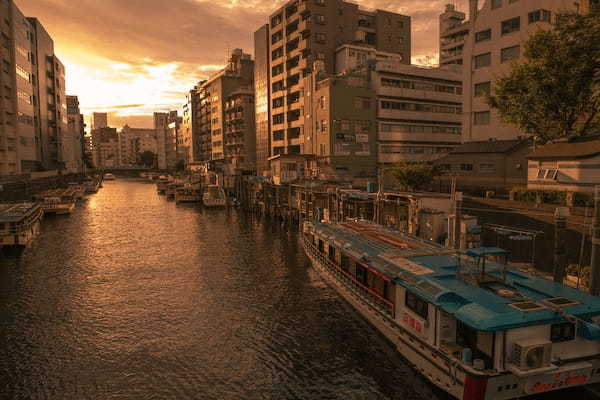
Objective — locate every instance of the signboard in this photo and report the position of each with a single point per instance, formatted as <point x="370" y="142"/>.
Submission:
<point x="362" y="138"/>
<point x="558" y="380"/>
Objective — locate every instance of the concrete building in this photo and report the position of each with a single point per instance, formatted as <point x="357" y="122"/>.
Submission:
<point x="298" y="34"/>
<point x="160" y="127"/>
<point x="133" y="142"/>
<point x="76" y="131"/>
<point x="167" y="128"/>
<point x="33" y="115"/>
<point x="99" y="120"/>
<point x="489" y="43"/>
<point x="106" y="148"/>
<point x="239" y="132"/>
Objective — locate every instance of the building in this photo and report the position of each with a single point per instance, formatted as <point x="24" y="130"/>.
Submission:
<point x="572" y="166"/>
<point x="99" y="120"/>
<point x="76" y="131"/>
<point x="239" y="133"/>
<point x="133" y="142"/>
<point x="489" y="43"/>
<point x="168" y="136"/>
<point x="33" y="115"/>
<point x="106" y="148"/>
<point x="497" y="165"/>
<point x="298" y="34"/>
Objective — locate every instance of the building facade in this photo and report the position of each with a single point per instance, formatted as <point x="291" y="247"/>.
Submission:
<point x="298" y="34"/>
<point x="133" y="142"/>
<point x="489" y="43"/>
<point x="99" y="120"/>
<point x="106" y="148"/>
<point x="76" y="132"/>
<point x="239" y="129"/>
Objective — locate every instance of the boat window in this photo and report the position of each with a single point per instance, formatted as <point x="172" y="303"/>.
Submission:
<point x="562" y="332"/>
<point x="332" y="253"/>
<point x="361" y="275"/>
<point x="416" y="305"/>
<point x="345" y="263"/>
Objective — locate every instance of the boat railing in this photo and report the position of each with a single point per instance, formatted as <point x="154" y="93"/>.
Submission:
<point x="373" y="298"/>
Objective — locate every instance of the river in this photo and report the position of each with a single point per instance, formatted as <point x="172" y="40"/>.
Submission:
<point x="134" y="297"/>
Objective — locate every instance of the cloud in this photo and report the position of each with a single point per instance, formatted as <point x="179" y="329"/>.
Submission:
<point x="154" y="51"/>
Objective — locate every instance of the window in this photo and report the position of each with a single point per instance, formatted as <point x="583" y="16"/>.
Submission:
<point x="482" y="89"/>
<point x="511" y="25"/>
<point x="24" y="96"/>
<point x="278" y="102"/>
<point x="323" y="125"/>
<point x="362" y="103"/>
<point x="276" y="70"/>
<point x="277" y="86"/>
<point x="23" y="73"/>
<point x="539" y="15"/>
<point x="496" y="4"/>
<point x="466" y="167"/>
<point x="278" y="135"/>
<point x="482" y="60"/>
<point x="321" y="38"/>
<point x="562" y="332"/>
<point x="278" y="119"/>
<point x="276" y="37"/>
<point x="416" y="305"/>
<point x="276" y="20"/>
<point x="277" y="53"/>
<point x="487" y="168"/>
<point x="320" y="19"/>
<point x="481" y="118"/>
<point x="483" y="35"/>
<point x="322" y="102"/>
<point x="510" y="53"/>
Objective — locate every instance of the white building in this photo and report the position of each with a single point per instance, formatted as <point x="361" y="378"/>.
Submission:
<point x="133" y="142"/>
<point x="496" y="36"/>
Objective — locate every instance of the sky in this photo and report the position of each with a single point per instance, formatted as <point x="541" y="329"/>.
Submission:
<point x="131" y="58"/>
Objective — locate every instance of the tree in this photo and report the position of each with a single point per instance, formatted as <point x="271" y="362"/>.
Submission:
<point x="555" y="92"/>
<point x="413" y="177"/>
<point x="147" y="159"/>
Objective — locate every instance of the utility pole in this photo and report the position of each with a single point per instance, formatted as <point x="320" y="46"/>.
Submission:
<point x="560" y="246"/>
<point x="595" y="265"/>
<point x="455" y="232"/>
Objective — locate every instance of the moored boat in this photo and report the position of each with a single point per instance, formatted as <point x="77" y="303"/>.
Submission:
<point x="109" y="177"/>
<point x="188" y="194"/>
<point x="57" y="201"/>
<point x="470" y="324"/>
<point x="91" y="185"/>
<point x="19" y="223"/>
<point x="78" y="190"/>
<point x="214" y="196"/>
<point x="162" y="183"/>
<point x="172" y="189"/>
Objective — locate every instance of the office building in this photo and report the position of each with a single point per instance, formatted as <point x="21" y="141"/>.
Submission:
<point x="99" y="120"/>
<point x="489" y="43"/>
<point x="298" y="34"/>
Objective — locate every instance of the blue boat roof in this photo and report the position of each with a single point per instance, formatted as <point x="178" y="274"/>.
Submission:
<point x="431" y="271"/>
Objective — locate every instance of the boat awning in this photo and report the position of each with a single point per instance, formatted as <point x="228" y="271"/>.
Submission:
<point x="486" y="251"/>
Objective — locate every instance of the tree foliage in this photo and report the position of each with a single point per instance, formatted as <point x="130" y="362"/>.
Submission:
<point x="147" y="159"/>
<point x="555" y="91"/>
<point x="414" y="177"/>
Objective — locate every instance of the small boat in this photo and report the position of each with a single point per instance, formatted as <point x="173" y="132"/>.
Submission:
<point x="172" y="189"/>
<point x="91" y="185"/>
<point x="78" y="190"/>
<point x="214" y="196"/>
<point x="19" y="223"/>
<point x="188" y="194"/>
<point x="109" y="177"/>
<point x="161" y="184"/>
<point x="57" y="201"/>
<point x="471" y="325"/>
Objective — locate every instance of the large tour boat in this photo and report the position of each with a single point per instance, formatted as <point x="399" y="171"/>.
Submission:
<point x="19" y="223"/>
<point x="214" y="196"/>
<point x="57" y="201"/>
<point x="471" y="325"/>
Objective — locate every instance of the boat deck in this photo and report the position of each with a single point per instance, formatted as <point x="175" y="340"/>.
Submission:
<point x="15" y="212"/>
<point x="431" y="271"/>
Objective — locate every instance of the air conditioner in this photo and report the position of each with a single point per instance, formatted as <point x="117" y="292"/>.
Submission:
<point x="531" y="354"/>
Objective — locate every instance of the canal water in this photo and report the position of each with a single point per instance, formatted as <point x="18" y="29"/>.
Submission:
<point x="134" y="297"/>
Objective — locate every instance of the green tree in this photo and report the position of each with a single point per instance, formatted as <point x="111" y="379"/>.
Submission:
<point x="413" y="177"/>
<point x="555" y="91"/>
<point x="147" y="159"/>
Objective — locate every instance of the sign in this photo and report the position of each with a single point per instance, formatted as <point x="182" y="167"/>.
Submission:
<point x="558" y="380"/>
<point x="362" y="138"/>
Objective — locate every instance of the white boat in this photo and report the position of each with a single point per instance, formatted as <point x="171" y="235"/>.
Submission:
<point x="19" y="223"/>
<point x="213" y="196"/>
<point x="58" y="201"/>
<point x="78" y="190"/>
<point x="469" y="324"/>
<point x="109" y="177"/>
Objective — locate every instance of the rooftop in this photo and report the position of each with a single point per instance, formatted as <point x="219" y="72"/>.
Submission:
<point x="581" y="148"/>
<point x="430" y="271"/>
<point x="489" y="146"/>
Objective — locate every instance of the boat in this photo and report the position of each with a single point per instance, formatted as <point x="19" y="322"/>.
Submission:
<point x="465" y="320"/>
<point x="78" y="190"/>
<point x="91" y="185"/>
<point x="188" y="194"/>
<point x="171" y="190"/>
<point x="19" y="223"/>
<point x="109" y="177"/>
<point x="213" y="196"/>
<point x="57" y="201"/>
<point x="161" y="184"/>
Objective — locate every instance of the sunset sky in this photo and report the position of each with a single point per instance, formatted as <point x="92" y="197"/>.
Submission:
<point x="133" y="57"/>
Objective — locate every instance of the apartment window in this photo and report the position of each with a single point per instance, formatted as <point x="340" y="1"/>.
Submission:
<point x="276" y="37"/>
<point x="481" y="118"/>
<point x="362" y="103"/>
<point x="322" y="102"/>
<point x="487" y="168"/>
<point x="323" y="125"/>
<point x="293" y="80"/>
<point x="482" y="89"/>
<point x="482" y="60"/>
<point x="416" y="305"/>
<point x="277" y="53"/>
<point x="539" y="15"/>
<point x="23" y="73"/>
<point x="277" y="86"/>
<point x="496" y="4"/>
<point x="294" y="133"/>
<point x="483" y="35"/>
<point x="276" y="20"/>
<point x="276" y="70"/>
<point x="278" y="119"/>
<point x="321" y="38"/>
<point x="24" y="96"/>
<point x="466" y="167"/>
<point x="320" y="19"/>
<point x="278" y="102"/>
<point x="510" y="53"/>
<point x="511" y="25"/>
<point x="278" y="135"/>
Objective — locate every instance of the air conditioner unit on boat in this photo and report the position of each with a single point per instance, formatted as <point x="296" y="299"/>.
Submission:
<point x="531" y="354"/>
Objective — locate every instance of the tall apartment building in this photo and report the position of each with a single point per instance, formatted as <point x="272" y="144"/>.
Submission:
<point x="106" y="148"/>
<point x="190" y="128"/>
<point x="454" y="30"/>
<point x="99" y="120"/>
<point x="160" y="127"/>
<point x="133" y="142"/>
<point x="298" y="34"/>
<point x="33" y="112"/>
<point x="166" y="126"/>
<point x="495" y="40"/>
<point x="223" y="121"/>
<point x="173" y="140"/>
<point x="76" y="130"/>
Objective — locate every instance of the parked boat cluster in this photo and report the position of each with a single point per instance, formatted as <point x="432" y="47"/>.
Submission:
<point x="190" y="190"/>
<point x="20" y="222"/>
